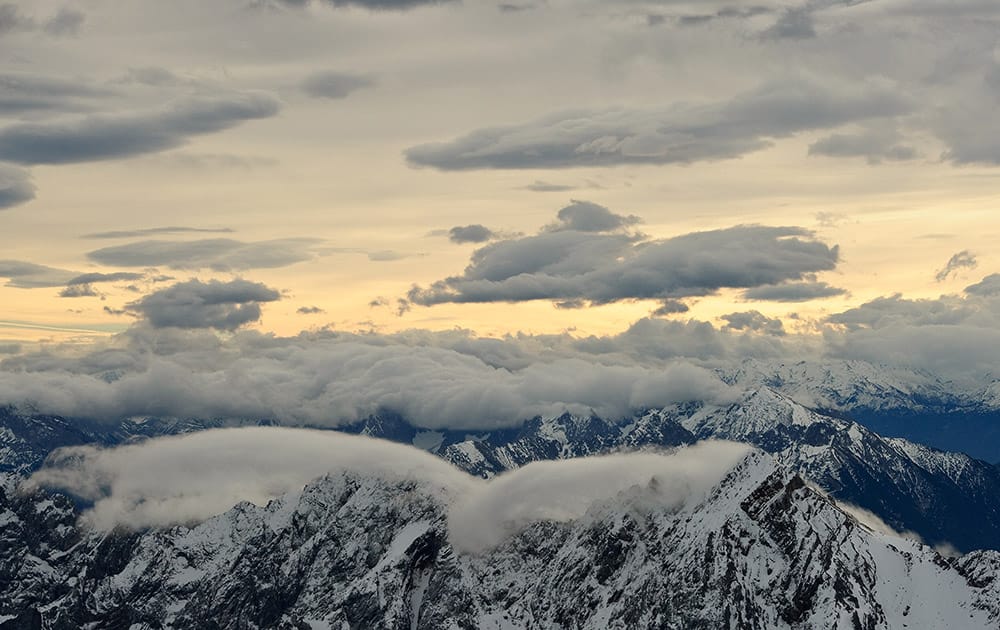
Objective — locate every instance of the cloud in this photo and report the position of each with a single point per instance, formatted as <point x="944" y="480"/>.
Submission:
<point x="12" y="20"/>
<point x="671" y="307"/>
<point x="219" y="254"/>
<point x="988" y="286"/>
<point x="150" y="75"/>
<point x="678" y="134"/>
<point x="794" y="23"/>
<point x="470" y="234"/>
<point x="754" y="320"/>
<point x="118" y="276"/>
<point x="372" y="5"/>
<point x="584" y="216"/>
<point x="212" y="304"/>
<point x="793" y="292"/>
<point x="27" y="275"/>
<point x="35" y="94"/>
<point x="961" y="260"/>
<point x="111" y="137"/>
<point x="574" y="261"/>
<point x="66" y="22"/>
<point x="309" y="310"/>
<point x="954" y="337"/>
<point x="386" y="5"/>
<point x="15" y="187"/>
<point x="190" y="478"/>
<point x="543" y="186"/>
<point x="565" y="490"/>
<point x="324" y="378"/>
<point x="875" y="145"/>
<point x="79" y="290"/>
<point x="172" y="229"/>
<point x="334" y="85"/>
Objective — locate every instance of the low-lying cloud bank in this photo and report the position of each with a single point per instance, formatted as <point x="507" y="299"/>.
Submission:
<point x="189" y="478"/>
<point x="328" y="379"/>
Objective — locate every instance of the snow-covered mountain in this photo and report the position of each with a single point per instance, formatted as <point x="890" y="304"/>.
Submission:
<point x="892" y="401"/>
<point x="763" y="549"/>
<point x="945" y="498"/>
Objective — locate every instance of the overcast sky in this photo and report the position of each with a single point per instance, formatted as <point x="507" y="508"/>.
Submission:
<point x="535" y="165"/>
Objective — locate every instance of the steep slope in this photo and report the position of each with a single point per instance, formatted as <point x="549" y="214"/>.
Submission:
<point x="762" y="550"/>
<point x="947" y="498"/>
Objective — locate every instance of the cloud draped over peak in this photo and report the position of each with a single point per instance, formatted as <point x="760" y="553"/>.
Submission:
<point x="678" y="134"/>
<point x="579" y="260"/>
<point x="184" y="479"/>
<point x="219" y="254"/>
<point x="212" y="304"/>
<point x="108" y="137"/>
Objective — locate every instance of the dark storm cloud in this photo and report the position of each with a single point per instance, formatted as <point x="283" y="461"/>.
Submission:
<point x="32" y="94"/>
<point x="26" y="275"/>
<point x="873" y="145"/>
<point x="213" y="304"/>
<point x="793" y="292"/>
<point x="470" y="234"/>
<point x="171" y="229"/>
<point x="66" y="22"/>
<point x="988" y="286"/>
<point x="585" y="216"/>
<point x="569" y="265"/>
<point x="15" y="187"/>
<point x="755" y="321"/>
<point x="335" y="85"/>
<point x="679" y="134"/>
<point x="219" y="254"/>
<point x="961" y="260"/>
<point x="110" y="137"/>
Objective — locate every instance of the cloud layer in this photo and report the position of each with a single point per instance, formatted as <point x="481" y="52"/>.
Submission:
<point x="330" y="379"/>
<point x="189" y="478"/>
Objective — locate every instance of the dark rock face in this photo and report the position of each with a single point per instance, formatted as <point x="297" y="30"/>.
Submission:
<point x="762" y="550"/>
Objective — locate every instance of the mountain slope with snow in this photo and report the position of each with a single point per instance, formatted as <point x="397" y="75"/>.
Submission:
<point x="761" y="550"/>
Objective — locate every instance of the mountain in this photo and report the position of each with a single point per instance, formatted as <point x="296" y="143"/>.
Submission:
<point x="892" y="401"/>
<point x="947" y="499"/>
<point x="762" y="549"/>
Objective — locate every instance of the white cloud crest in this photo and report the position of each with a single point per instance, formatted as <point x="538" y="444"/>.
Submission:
<point x="188" y="478"/>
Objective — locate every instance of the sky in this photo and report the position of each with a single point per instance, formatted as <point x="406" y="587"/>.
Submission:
<point x="716" y="179"/>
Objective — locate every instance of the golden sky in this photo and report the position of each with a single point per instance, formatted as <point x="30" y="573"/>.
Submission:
<point x="871" y="126"/>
